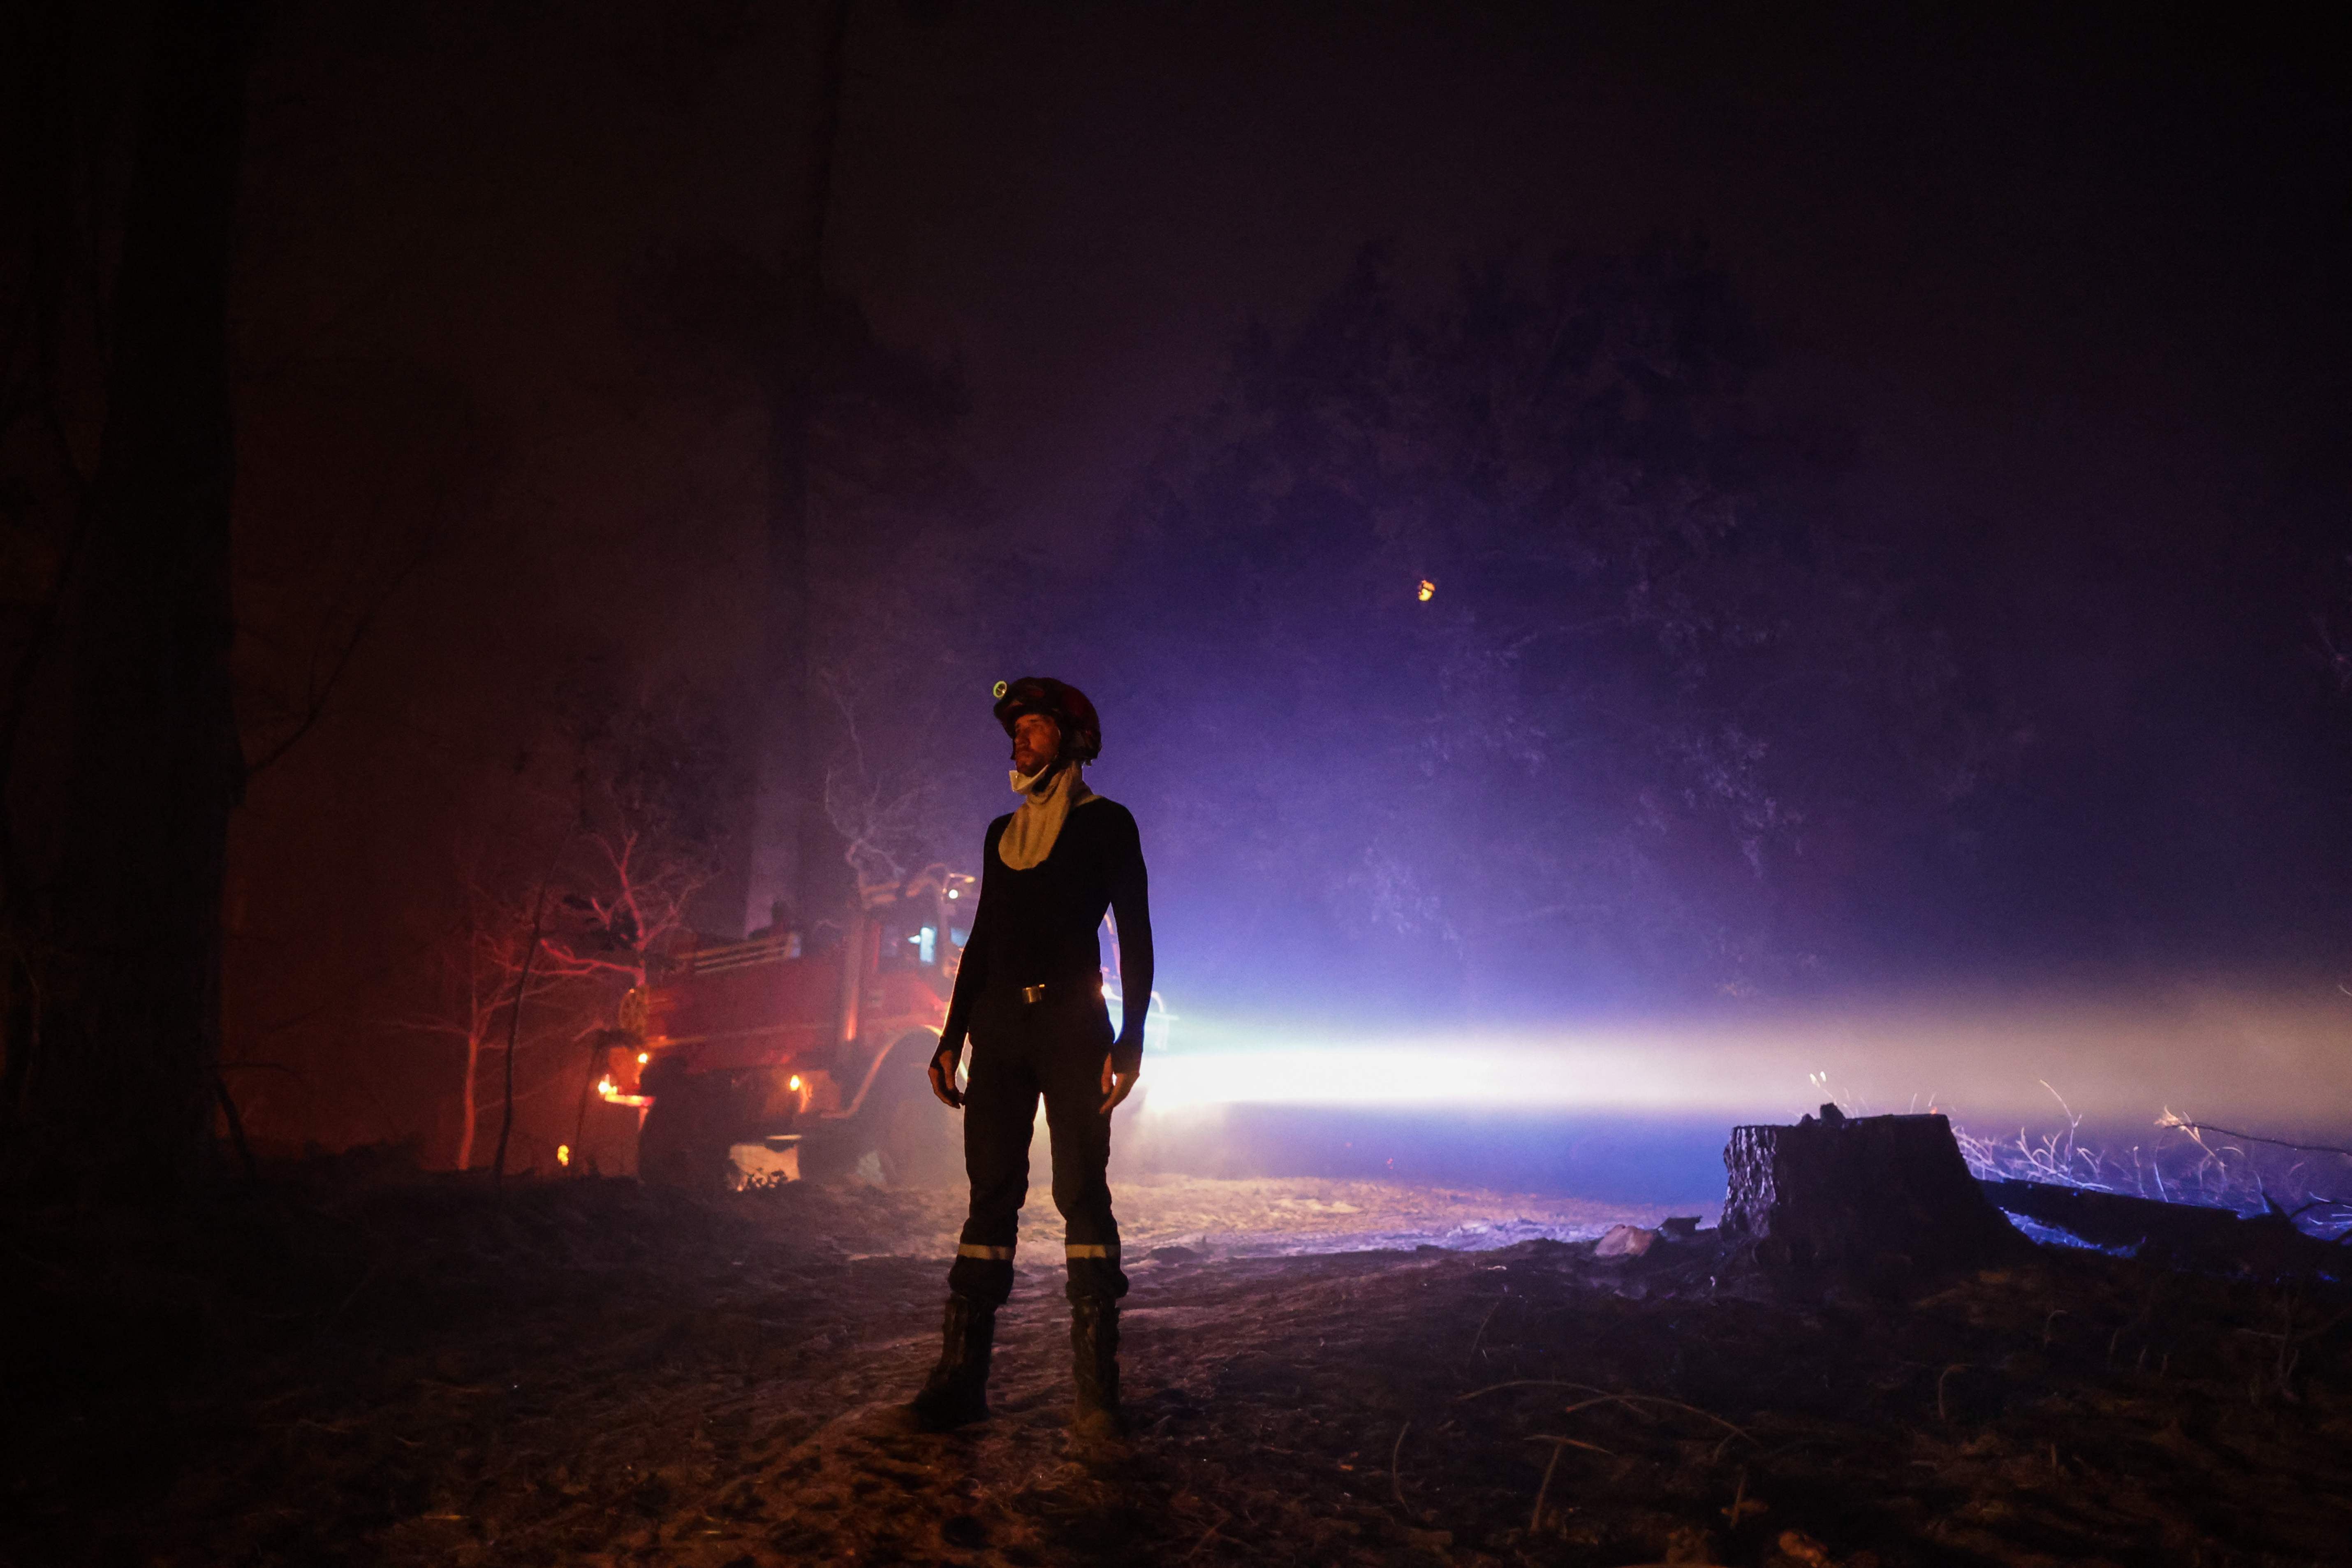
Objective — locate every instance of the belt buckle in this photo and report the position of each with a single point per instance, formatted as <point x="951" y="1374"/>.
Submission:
<point x="1033" y="994"/>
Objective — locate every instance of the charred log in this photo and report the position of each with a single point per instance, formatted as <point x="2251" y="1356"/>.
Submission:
<point x="2187" y="1236"/>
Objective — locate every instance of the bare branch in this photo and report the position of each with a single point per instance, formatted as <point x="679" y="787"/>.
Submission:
<point x="317" y="692"/>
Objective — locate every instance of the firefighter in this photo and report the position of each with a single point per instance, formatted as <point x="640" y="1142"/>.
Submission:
<point x="1029" y="997"/>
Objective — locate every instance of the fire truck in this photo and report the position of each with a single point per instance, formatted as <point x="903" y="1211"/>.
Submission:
<point x="761" y="1061"/>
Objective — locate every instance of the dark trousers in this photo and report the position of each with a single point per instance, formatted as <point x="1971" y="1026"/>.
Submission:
<point x="1021" y="1050"/>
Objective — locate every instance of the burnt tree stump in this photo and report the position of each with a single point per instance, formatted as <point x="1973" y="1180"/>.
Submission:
<point x="1876" y="1195"/>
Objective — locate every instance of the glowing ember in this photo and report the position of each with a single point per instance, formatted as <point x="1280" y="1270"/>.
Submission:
<point x="794" y="1084"/>
<point x="643" y="1057"/>
<point x="1428" y="591"/>
<point x="563" y="1153"/>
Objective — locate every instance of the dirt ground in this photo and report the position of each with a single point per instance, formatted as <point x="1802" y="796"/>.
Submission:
<point x="1317" y="1372"/>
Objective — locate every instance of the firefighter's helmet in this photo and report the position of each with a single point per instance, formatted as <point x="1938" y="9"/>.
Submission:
<point x="1065" y="704"/>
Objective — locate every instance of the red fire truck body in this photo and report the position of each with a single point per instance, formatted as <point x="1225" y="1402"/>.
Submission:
<point x="757" y="1060"/>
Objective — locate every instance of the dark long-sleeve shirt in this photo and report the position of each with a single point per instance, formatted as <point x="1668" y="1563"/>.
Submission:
<point x="1037" y="927"/>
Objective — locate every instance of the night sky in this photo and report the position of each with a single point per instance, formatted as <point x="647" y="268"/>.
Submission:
<point x="2051" y="309"/>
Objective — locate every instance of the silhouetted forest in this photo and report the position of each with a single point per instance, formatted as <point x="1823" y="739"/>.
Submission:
<point x="1528" y="617"/>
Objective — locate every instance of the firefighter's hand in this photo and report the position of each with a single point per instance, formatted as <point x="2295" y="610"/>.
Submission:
<point x="1116" y="1085"/>
<point x="944" y="1068"/>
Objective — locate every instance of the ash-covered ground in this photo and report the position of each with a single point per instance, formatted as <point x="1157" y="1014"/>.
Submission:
<point x="1318" y="1372"/>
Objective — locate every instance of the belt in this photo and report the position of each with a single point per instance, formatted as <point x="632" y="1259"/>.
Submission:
<point x="1033" y="994"/>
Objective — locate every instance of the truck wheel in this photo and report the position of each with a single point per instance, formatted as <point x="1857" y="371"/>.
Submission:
<point x="919" y="1139"/>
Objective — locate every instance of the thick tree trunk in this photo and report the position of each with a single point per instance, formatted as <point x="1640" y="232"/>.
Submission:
<point x="790" y="836"/>
<point x="786" y="784"/>
<point x="120" y="1098"/>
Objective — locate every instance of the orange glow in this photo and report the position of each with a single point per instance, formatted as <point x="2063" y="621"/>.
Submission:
<point x="1428" y="590"/>
<point x="643" y="1057"/>
<point x="610" y="1093"/>
<point x="563" y="1153"/>
<point x="794" y="1084"/>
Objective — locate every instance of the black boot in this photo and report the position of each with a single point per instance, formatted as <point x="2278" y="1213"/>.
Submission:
<point x="956" y="1393"/>
<point x="1094" y="1361"/>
